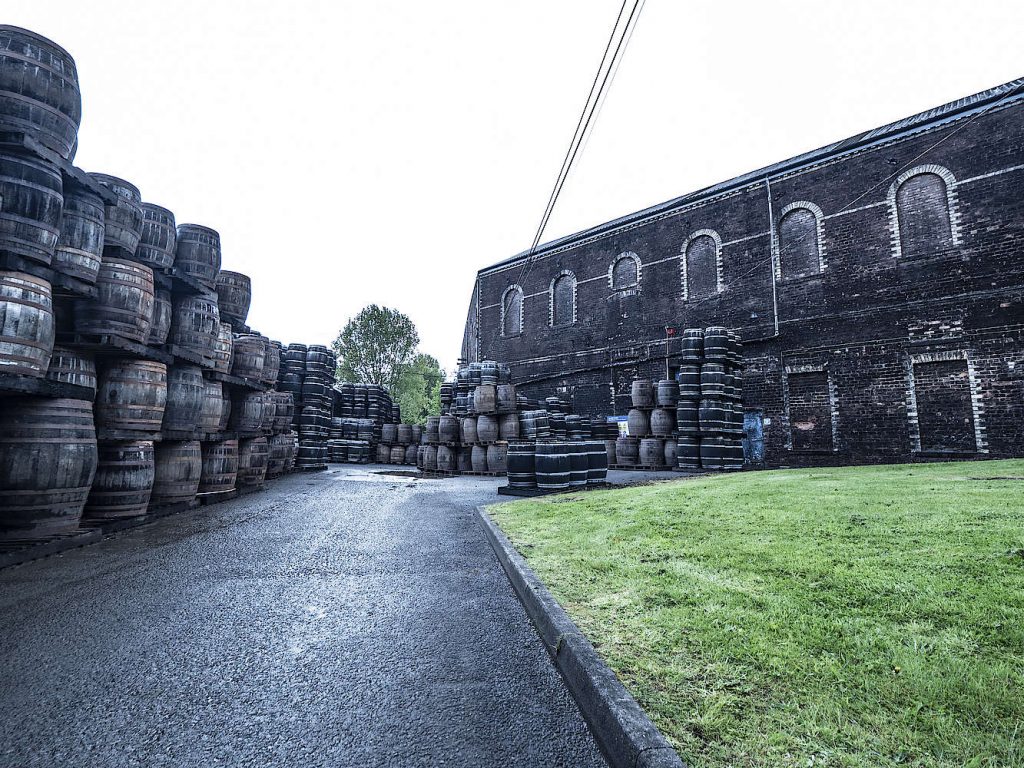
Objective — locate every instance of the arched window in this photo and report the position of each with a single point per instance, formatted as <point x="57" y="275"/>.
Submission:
<point x="922" y="205"/>
<point x="800" y="246"/>
<point x="563" y="299"/>
<point x="512" y="311"/>
<point x="624" y="272"/>
<point x="702" y="265"/>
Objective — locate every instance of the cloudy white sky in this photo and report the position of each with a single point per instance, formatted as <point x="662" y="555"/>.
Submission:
<point x="357" y="152"/>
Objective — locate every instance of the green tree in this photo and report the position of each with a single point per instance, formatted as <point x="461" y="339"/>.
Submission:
<point x="376" y="346"/>
<point x="419" y="389"/>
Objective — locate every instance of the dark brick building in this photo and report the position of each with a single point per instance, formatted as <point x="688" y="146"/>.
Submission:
<point x="877" y="283"/>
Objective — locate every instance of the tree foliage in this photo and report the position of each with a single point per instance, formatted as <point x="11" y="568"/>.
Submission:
<point x="419" y="389"/>
<point x="376" y="346"/>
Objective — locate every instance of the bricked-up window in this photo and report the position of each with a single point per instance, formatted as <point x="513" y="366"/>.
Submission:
<point x="810" y="411"/>
<point x="922" y="210"/>
<point x="799" y="249"/>
<point x="563" y="299"/>
<point x="701" y="267"/>
<point x="943" y="393"/>
<point x="512" y="311"/>
<point x="625" y="272"/>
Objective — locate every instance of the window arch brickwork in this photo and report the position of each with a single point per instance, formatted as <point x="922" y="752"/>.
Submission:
<point x="923" y="212"/>
<point x="800" y="246"/>
<point x="512" y="311"/>
<point x="624" y="272"/>
<point x="562" y="299"/>
<point x="702" y="265"/>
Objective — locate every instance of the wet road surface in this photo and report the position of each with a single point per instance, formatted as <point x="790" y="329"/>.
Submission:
<point x="337" y="619"/>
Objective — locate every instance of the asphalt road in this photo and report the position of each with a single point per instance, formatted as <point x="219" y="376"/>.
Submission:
<point x="337" y="619"/>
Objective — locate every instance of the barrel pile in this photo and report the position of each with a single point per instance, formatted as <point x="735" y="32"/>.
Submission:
<point x="709" y="413"/>
<point x="650" y="442"/>
<point x="308" y="373"/>
<point x="363" y="415"/>
<point x="129" y="382"/>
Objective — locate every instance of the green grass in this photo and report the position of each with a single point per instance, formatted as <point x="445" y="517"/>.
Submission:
<point x="858" y="616"/>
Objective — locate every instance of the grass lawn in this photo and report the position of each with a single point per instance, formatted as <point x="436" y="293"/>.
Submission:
<point x="860" y="616"/>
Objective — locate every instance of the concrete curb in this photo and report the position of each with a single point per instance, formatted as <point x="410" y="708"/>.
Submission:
<point x="625" y="734"/>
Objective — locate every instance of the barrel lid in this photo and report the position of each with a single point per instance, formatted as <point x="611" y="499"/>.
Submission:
<point x="159" y="209"/>
<point x="199" y="228"/>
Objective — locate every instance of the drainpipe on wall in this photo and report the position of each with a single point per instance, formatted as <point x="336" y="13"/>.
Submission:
<point x="771" y="249"/>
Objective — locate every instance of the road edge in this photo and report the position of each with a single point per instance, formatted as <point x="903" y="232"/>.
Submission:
<point x="625" y="734"/>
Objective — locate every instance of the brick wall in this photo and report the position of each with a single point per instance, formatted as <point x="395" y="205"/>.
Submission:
<point x="878" y="286"/>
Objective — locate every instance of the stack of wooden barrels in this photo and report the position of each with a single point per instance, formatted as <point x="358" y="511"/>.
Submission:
<point x="129" y="383"/>
<point x="650" y="442"/>
<point x="362" y="417"/>
<point x="399" y="443"/>
<point x="710" y="409"/>
<point x="308" y="373"/>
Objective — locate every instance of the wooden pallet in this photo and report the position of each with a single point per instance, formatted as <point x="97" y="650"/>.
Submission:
<point x="237" y="381"/>
<point x="215" y="497"/>
<point x="120" y="435"/>
<point x="60" y="284"/>
<point x="18" y="552"/>
<point x="508" y="490"/>
<point x="440" y="472"/>
<point x="473" y="473"/>
<point x="641" y="467"/>
<point x="20" y="141"/>
<point x="112" y="345"/>
<point x="187" y="355"/>
<point x="180" y="434"/>
<point x="20" y="384"/>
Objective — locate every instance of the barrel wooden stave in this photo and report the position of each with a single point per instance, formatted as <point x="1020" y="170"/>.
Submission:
<point x="178" y="467"/>
<point x="26" y="324"/>
<point x="73" y="366"/>
<point x="122" y="220"/>
<point x="125" y="472"/>
<point x="219" y="466"/>
<point x="32" y="192"/>
<point x="157" y="237"/>
<point x="198" y="254"/>
<point x="186" y="389"/>
<point x="124" y="302"/>
<point x="79" y="250"/>
<point x="131" y="395"/>
<point x="234" y="293"/>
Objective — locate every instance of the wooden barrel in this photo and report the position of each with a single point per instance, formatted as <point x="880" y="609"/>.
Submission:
<point x="597" y="462"/>
<point x="713" y="380"/>
<point x="663" y="422"/>
<point x="497" y="457"/>
<point x="417" y="433"/>
<point x="160" y="325"/>
<point x="209" y="415"/>
<point x="248" y="356"/>
<point x="397" y="454"/>
<point x="389" y="433"/>
<point x="717" y="346"/>
<point x="271" y="361"/>
<point x="383" y="453"/>
<point x="689" y="382"/>
<point x="508" y="426"/>
<point x="226" y="406"/>
<point x="712" y="454"/>
<point x="195" y="324"/>
<point x="505" y="398"/>
<point x="79" y="248"/>
<point x="234" y="294"/>
<point x="652" y="451"/>
<point x="485" y="398"/>
<point x="671" y="453"/>
<point x="445" y="458"/>
<point x="73" y="366"/>
<point x="157" y="238"/>
<point x="47" y="464"/>
<point x="732" y="453"/>
<point x="178" y="466"/>
<point x="252" y="462"/>
<point x="464" y="459"/>
<point x="627" y="450"/>
<point x="220" y="466"/>
<point x="31" y="191"/>
<point x="692" y="344"/>
<point x="642" y="393"/>
<point x="715" y="415"/>
<point x="124" y="302"/>
<point x="638" y="423"/>
<point x="735" y="391"/>
<point x="478" y="458"/>
<point x="125" y="472"/>
<point x="552" y="466"/>
<point x="488" y="372"/>
<point x="248" y="412"/>
<point x="432" y="429"/>
<point x="122" y="221"/>
<point x="185" y="391"/>
<point x="26" y="324"/>
<point x="223" y="348"/>
<point x="198" y="254"/>
<point x="430" y="457"/>
<point x="448" y="429"/>
<point x="668" y="393"/>
<point x="284" y="410"/>
<point x="404" y="433"/>
<point x="39" y="93"/>
<point x="609" y="449"/>
<point x="521" y="465"/>
<point x="486" y="428"/>
<point x="132" y="394"/>
<point x="469" y="429"/>
<point x="688" y="417"/>
<point x="688" y="452"/>
<point x="277" y="458"/>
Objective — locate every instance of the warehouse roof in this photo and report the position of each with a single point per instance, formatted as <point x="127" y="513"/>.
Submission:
<point x="927" y="119"/>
